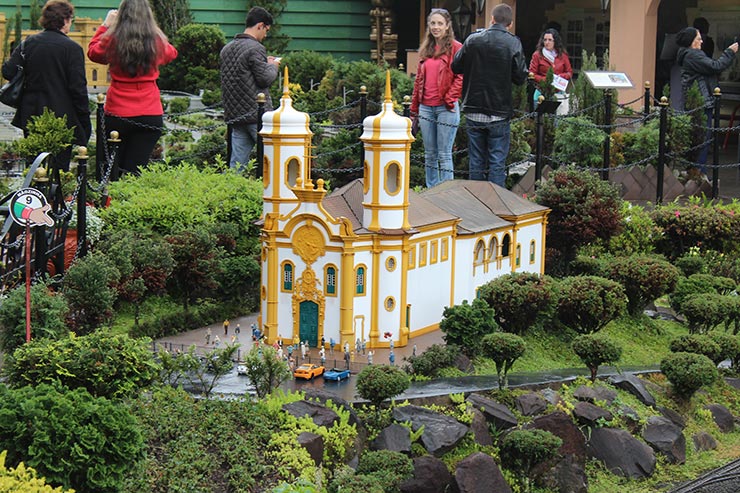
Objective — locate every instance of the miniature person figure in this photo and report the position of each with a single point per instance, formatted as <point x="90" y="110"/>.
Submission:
<point x="280" y="354"/>
<point x="364" y="342"/>
<point x="331" y="344"/>
<point x="290" y="350"/>
<point x="413" y="350"/>
<point x="346" y="346"/>
<point x="303" y="351"/>
<point x="216" y="341"/>
<point x="323" y="341"/>
<point x="233" y="339"/>
<point x="346" y="359"/>
<point x="392" y="358"/>
<point x="391" y="345"/>
<point x="280" y="340"/>
<point x="238" y="329"/>
<point x="209" y="333"/>
<point x="369" y="357"/>
<point x="358" y="345"/>
<point x="226" y="327"/>
<point x="291" y="364"/>
<point x="322" y="354"/>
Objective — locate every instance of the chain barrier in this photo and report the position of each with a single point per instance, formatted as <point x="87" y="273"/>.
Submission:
<point x="624" y="105"/>
<point x="337" y="151"/>
<point x="69" y="205"/>
<point x="18" y="242"/>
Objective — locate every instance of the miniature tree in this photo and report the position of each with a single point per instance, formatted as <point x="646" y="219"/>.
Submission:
<point x="518" y="300"/>
<point x="207" y="370"/>
<point x="48" y="312"/>
<point x="688" y="372"/>
<point x="377" y="383"/>
<point x="645" y="279"/>
<point x="90" y="289"/>
<point x="522" y="450"/>
<point x="504" y="349"/>
<point x="588" y="303"/>
<point x="265" y="370"/>
<point x="697" y="344"/>
<point x="465" y="325"/>
<point x="595" y="350"/>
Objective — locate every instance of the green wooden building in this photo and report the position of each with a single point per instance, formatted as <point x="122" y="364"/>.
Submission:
<point x="339" y="27"/>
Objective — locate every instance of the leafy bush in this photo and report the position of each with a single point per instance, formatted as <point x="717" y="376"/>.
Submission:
<point x="179" y="105"/>
<point x="106" y="365"/>
<point x="688" y="372"/>
<point x="389" y="466"/>
<point x="585" y="209"/>
<point x="686" y="226"/>
<point x="585" y="265"/>
<point x="699" y="284"/>
<point x="588" y="303"/>
<point x="703" y="312"/>
<point x="195" y="272"/>
<point x="434" y="358"/>
<point x="645" y="279"/>
<point x="377" y="383"/>
<point x="48" y="312"/>
<point x="697" y="344"/>
<point x="578" y="141"/>
<point x="90" y="289"/>
<point x="690" y="264"/>
<point x="464" y="325"/>
<point x="23" y="479"/>
<point x="265" y="370"/>
<point x="197" y="64"/>
<point x="307" y="67"/>
<point x="45" y="133"/>
<point x="347" y="481"/>
<point x="638" y="232"/>
<point x="518" y="299"/>
<point x="99" y="440"/>
<point x="595" y="350"/>
<point x="729" y="348"/>
<point x="504" y="349"/>
<point x="521" y="450"/>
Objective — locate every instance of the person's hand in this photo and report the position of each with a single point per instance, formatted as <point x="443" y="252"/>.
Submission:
<point x="110" y="18"/>
<point x="273" y="60"/>
<point x="733" y="47"/>
<point x="40" y="216"/>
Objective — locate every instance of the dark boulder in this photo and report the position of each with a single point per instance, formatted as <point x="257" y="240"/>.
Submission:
<point x="567" y="475"/>
<point x="531" y="404"/>
<point x="479" y="427"/>
<point x="319" y="413"/>
<point x="551" y="396"/>
<point x="590" y="414"/>
<point x="595" y="393"/>
<point x="722" y="416"/>
<point x="430" y="476"/>
<point x="314" y="444"/>
<point x="479" y="473"/>
<point x="441" y="433"/>
<point x="497" y="414"/>
<point x="560" y="425"/>
<point x="675" y="418"/>
<point x="635" y="386"/>
<point x="394" y="437"/>
<point x="666" y="438"/>
<point x="621" y="453"/>
<point x="703" y="441"/>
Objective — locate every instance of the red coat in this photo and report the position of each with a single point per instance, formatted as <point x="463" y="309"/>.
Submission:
<point x="449" y="83"/>
<point x="130" y="96"/>
<point x="539" y="66"/>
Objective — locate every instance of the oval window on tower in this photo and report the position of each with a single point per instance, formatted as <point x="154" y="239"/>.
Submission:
<point x="392" y="178"/>
<point x="292" y="172"/>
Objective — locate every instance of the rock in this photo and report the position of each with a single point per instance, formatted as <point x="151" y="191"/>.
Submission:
<point x="595" y="393"/>
<point x="631" y="419"/>
<point x="394" y="437"/>
<point x="622" y="453"/>
<point x="319" y="413"/>
<point x="480" y="430"/>
<point x="666" y="438"/>
<point x="589" y="414"/>
<point x="634" y="386"/>
<point x="463" y="363"/>
<point x="703" y="441"/>
<point x="441" y="432"/>
<point x="497" y="414"/>
<point x="531" y="404"/>
<point x="722" y="416"/>
<point x="551" y="396"/>
<point x="430" y="476"/>
<point x="675" y="418"/>
<point x="568" y="475"/>
<point x="560" y="425"/>
<point x="479" y="473"/>
<point x="314" y="444"/>
<point x="733" y="382"/>
<point x="322" y="396"/>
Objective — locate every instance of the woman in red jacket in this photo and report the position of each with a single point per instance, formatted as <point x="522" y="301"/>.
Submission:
<point x="436" y="91"/>
<point x="134" y="47"/>
<point x="550" y="53"/>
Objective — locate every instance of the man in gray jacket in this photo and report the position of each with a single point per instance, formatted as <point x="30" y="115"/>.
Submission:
<point x="246" y="71"/>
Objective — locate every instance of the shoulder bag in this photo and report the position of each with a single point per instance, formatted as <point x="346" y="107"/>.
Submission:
<point x="12" y="91"/>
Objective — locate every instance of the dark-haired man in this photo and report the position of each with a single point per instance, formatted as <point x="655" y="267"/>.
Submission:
<point x="246" y="71"/>
<point x="491" y="60"/>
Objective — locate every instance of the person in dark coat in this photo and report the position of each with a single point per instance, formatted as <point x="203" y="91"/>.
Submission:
<point x="54" y="68"/>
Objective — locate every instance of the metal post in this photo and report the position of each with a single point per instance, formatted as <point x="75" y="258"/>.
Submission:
<point x="715" y="144"/>
<point x="646" y="99"/>
<point x="363" y="115"/>
<point x="539" y="144"/>
<point x="530" y="92"/>
<point x="100" y="139"/>
<point x="407" y="106"/>
<point x="82" y="201"/>
<point x="261" y="101"/>
<point x="607" y="130"/>
<point x="661" y="148"/>
<point x="113" y="143"/>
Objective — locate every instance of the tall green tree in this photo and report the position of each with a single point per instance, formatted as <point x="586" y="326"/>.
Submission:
<point x="90" y="289"/>
<point x="465" y="325"/>
<point x="171" y="15"/>
<point x="504" y="349"/>
<point x="34" y="14"/>
<point x="196" y="266"/>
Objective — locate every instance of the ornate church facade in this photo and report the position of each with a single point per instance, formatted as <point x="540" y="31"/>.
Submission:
<point x="374" y="260"/>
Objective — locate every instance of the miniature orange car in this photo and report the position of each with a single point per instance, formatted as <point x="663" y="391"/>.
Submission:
<point x="308" y="371"/>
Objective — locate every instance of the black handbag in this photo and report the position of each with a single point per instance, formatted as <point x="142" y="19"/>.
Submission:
<point x="12" y="91"/>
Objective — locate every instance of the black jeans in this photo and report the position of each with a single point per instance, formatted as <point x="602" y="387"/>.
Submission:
<point x="139" y="135"/>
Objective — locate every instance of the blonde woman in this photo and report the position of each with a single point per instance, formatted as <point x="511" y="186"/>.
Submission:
<point x="133" y="45"/>
<point x="436" y="94"/>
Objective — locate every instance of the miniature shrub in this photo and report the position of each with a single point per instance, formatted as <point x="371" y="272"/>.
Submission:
<point x="578" y="141"/>
<point x="178" y="105"/>
<point x="46" y="133"/>
<point x="585" y="265"/>
<point x="48" y="312"/>
<point x="595" y="350"/>
<point x="307" y="67"/>
<point x="464" y="325"/>
<point x="90" y="290"/>
<point x="644" y="278"/>
<point x="347" y="481"/>
<point x="504" y="349"/>
<point x="686" y="226"/>
<point x="688" y="286"/>
<point x="197" y="65"/>
<point x="588" y="303"/>
<point x="391" y="467"/>
<point x="584" y="209"/>
<point x="729" y="347"/>
<point x="518" y="299"/>
<point x="722" y="264"/>
<point x="433" y="359"/>
<point x="638" y="232"/>
<point x="697" y="344"/>
<point x="703" y="312"/>
<point x="377" y="383"/>
<point x="688" y="372"/>
<point x="690" y="264"/>
<point x="23" y="479"/>
<point x="733" y="314"/>
<point x="522" y="450"/>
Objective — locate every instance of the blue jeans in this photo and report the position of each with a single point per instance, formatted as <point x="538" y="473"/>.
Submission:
<point x="488" y="146"/>
<point x="243" y="139"/>
<point x="438" y="126"/>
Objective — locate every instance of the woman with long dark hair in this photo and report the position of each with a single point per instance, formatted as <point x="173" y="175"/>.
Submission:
<point x="54" y="68"/>
<point x="435" y="96"/>
<point x="551" y="54"/>
<point x="133" y="45"/>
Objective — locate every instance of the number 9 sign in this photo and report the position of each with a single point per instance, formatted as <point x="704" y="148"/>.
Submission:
<point x="28" y="207"/>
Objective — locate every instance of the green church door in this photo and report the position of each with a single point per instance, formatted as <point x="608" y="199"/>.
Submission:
<point x="309" y="322"/>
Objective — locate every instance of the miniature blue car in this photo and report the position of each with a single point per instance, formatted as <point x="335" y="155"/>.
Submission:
<point x="337" y="374"/>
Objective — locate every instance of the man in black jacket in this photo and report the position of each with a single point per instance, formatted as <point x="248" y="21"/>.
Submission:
<point x="491" y="60"/>
<point x="246" y="71"/>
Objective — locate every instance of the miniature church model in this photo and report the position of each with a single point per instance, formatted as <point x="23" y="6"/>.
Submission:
<point x="374" y="260"/>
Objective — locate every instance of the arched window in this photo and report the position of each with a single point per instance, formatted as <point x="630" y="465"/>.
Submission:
<point x="480" y="253"/>
<point x="95" y="75"/>
<point x="531" y="252"/>
<point x="360" y="280"/>
<point x="493" y="248"/>
<point x="292" y="172"/>
<point x="392" y="178"/>
<point x="287" y="276"/>
<point x="518" y="259"/>
<point x="330" y="280"/>
<point x="506" y="246"/>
